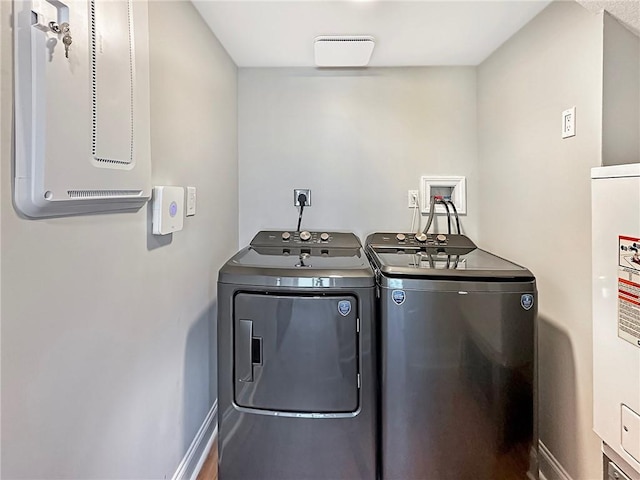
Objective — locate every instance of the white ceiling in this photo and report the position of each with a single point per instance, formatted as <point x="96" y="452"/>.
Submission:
<point x="626" y="11"/>
<point x="267" y="33"/>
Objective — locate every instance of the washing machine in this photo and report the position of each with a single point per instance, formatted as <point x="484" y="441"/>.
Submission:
<point x="612" y="471"/>
<point x="457" y="330"/>
<point x="296" y="359"/>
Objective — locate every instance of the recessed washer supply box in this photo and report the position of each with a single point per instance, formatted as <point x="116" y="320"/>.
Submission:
<point x="168" y="209"/>
<point x="454" y="187"/>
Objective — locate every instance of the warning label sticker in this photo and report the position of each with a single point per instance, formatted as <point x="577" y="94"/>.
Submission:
<point x="629" y="289"/>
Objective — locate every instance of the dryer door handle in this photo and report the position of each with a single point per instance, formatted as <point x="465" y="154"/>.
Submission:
<point x="244" y="363"/>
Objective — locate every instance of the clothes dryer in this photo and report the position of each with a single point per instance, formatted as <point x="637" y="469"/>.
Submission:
<point x="457" y="334"/>
<point x="296" y="358"/>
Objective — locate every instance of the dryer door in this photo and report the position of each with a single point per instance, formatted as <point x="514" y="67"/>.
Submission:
<point x="296" y="353"/>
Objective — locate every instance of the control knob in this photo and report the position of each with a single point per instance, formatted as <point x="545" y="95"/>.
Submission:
<point x="421" y="237"/>
<point x="441" y="238"/>
<point x="401" y="237"/>
<point x="286" y="235"/>
<point x="305" y="236"/>
<point x="324" y="236"/>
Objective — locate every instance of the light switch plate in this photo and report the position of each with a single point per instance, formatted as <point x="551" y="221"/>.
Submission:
<point x="569" y="123"/>
<point x="168" y="209"/>
<point x="191" y="201"/>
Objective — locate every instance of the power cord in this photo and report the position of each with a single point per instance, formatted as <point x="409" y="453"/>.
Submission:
<point x="416" y="208"/>
<point x="302" y="199"/>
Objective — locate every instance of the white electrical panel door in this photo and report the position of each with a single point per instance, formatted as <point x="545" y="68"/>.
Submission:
<point x="615" y="194"/>
<point x="82" y="139"/>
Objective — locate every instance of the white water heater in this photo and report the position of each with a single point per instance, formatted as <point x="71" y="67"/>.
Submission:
<point x="615" y="194"/>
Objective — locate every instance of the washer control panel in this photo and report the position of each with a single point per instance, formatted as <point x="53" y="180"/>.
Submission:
<point x="421" y="237"/>
<point x="418" y="240"/>
<point x="279" y="238"/>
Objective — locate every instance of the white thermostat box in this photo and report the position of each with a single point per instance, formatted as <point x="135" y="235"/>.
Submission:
<point x="168" y="209"/>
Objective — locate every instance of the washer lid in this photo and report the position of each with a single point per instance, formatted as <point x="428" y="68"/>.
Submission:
<point x="294" y="266"/>
<point x="449" y="264"/>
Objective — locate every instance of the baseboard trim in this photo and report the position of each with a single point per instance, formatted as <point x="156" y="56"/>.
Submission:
<point x="534" y="471"/>
<point x="550" y="467"/>
<point x="197" y="452"/>
<point x="205" y="454"/>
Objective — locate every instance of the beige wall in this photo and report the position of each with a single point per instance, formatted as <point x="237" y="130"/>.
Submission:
<point x="358" y="138"/>
<point x="621" y="95"/>
<point x="105" y="328"/>
<point x="535" y="204"/>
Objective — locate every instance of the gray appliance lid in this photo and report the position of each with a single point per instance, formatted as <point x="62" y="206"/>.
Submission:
<point x="298" y="267"/>
<point x="445" y="263"/>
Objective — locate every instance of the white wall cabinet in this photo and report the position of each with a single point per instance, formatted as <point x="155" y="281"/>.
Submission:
<point x="82" y="141"/>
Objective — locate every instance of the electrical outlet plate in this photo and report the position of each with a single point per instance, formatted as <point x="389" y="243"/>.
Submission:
<point x="412" y="198"/>
<point x="298" y="191"/>
<point x="569" y="123"/>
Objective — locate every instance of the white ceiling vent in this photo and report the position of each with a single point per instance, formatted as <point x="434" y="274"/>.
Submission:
<point x="343" y="51"/>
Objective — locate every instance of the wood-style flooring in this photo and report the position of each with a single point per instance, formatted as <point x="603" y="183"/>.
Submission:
<point x="209" y="469"/>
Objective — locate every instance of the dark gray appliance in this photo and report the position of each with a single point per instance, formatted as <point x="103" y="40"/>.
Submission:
<point x="296" y="359"/>
<point x="457" y="359"/>
<point x="613" y="471"/>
